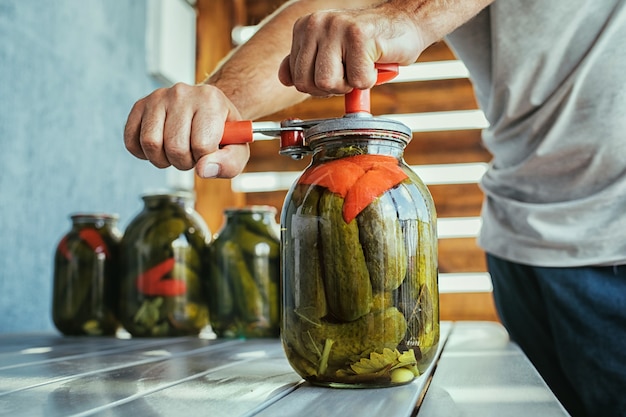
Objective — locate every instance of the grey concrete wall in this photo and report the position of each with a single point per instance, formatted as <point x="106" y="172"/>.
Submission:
<point x="69" y="72"/>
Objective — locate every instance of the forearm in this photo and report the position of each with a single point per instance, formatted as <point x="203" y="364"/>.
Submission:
<point x="249" y="74"/>
<point x="437" y="18"/>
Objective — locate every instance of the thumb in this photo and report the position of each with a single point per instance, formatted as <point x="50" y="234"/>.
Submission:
<point x="226" y="162"/>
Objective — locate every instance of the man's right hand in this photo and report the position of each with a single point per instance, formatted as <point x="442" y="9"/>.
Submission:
<point x="182" y="126"/>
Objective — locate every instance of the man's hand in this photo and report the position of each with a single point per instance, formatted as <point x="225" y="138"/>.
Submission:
<point x="334" y="51"/>
<point x="183" y="126"/>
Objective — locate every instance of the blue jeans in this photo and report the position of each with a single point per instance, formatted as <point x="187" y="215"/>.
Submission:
<point x="571" y="323"/>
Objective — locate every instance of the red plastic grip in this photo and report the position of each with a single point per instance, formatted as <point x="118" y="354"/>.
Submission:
<point x="358" y="101"/>
<point x="386" y="72"/>
<point x="237" y="132"/>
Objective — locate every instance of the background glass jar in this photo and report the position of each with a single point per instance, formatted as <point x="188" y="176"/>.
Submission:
<point x="359" y="262"/>
<point x="162" y="254"/>
<point x="243" y="286"/>
<point x="85" y="276"/>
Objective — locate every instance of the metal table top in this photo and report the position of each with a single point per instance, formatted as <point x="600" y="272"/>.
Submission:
<point x="479" y="372"/>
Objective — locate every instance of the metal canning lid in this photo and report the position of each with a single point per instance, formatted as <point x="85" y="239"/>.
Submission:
<point x="91" y="217"/>
<point x="172" y="195"/>
<point x="251" y="209"/>
<point x="361" y="125"/>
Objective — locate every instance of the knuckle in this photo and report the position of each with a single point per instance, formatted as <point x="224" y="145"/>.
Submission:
<point x="177" y="155"/>
<point x="313" y="21"/>
<point x="150" y="146"/>
<point x="178" y="92"/>
<point x="161" y="164"/>
<point x="329" y="86"/>
<point x="354" y="33"/>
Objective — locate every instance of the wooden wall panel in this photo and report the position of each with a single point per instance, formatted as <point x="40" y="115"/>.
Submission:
<point x="467" y="306"/>
<point x="457" y="200"/>
<point x="461" y="255"/>
<point x="258" y="10"/>
<point x="438" y="51"/>
<point x="446" y="147"/>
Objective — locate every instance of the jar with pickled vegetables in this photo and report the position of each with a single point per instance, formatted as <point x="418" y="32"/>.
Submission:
<point x="359" y="259"/>
<point x="84" y="286"/>
<point x="243" y="285"/>
<point x="162" y="259"/>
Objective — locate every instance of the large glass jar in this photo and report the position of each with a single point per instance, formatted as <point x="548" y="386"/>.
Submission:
<point x="243" y="290"/>
<point x="162" y="255"/>
<point x="359" y="260"/>
<point x="84" y="287"/>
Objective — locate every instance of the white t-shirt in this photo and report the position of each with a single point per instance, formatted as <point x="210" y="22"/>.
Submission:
<point x="551" y="79"/>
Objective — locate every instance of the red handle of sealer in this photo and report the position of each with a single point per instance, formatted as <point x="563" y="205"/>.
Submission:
<point x="358" y="101"/>
<point x="237" y="132"/>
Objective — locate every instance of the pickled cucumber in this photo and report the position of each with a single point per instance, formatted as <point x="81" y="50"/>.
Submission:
<point x="310" y="297"/>
<point x="247" y="296"/>
<point x="346" y="277"/>
<point x="383" y="244"/>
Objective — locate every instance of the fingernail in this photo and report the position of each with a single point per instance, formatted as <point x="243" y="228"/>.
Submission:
<point x="210" y="170"/>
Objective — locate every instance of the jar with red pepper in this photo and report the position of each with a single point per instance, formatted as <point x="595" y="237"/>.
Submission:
<point x="359" y="259"/>
<point x="243" y="285"/>
<point x="162" y="260"/>
<point x="85" y="276"/>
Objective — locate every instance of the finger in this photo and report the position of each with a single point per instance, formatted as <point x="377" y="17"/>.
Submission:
<point x="360" y="68"/>
<point x="303" y="53"/>
<point x="226" y="162"/>
<point x="360" y="55"/>
<point x="151" y="136"/>
<point x="177" y="132"/>
<point x="329" y="77"/>
<point x="132" y="131"/>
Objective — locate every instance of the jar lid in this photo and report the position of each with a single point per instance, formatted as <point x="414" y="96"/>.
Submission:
<point x="176" y="194"/>
<point x="358" y="125"/>
<point x="251" y="209"/>
<point x="84" y="217"/>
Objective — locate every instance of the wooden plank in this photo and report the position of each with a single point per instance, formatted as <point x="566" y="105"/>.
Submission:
<point x="467" y="306"/>
<point x="438" y="51"/>
<point x="457" y="200"/>
<point x="461" y="255"/>
<point x="229" y="377"/>
<point x="446" y="147"/>
<point x="259" y="9"/>
<point x="423" y="96"/>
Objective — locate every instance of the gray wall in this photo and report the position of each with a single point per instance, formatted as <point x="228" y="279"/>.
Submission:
<point x="70" y="71"/>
